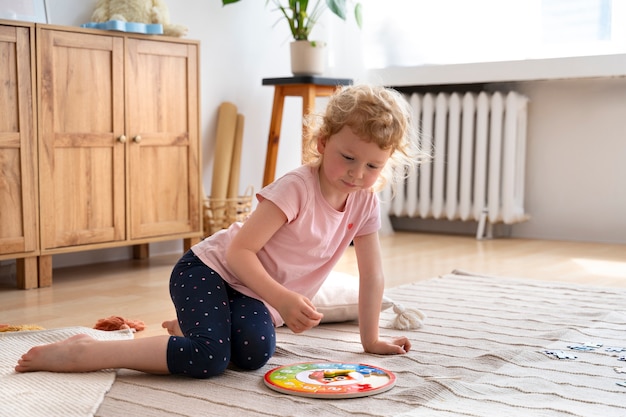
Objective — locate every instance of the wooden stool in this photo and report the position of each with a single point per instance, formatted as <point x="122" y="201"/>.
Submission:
<point x="307" y="87"/>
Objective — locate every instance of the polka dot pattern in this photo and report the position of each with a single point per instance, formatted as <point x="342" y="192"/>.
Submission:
<point x="220" y="325"/>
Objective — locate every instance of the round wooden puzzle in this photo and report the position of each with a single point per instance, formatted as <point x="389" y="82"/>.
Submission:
<point x="330" y="380"/>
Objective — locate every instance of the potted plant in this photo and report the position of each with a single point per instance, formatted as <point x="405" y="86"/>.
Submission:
<point x="308" y="56"/>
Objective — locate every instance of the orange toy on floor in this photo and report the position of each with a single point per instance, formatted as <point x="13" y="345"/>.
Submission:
<point x="117" y="323"/>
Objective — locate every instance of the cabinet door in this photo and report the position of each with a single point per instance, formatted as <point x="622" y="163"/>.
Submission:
<point x="162" y="123"/>
<point x="18" y="170"/>
<point x="82" y="147"/>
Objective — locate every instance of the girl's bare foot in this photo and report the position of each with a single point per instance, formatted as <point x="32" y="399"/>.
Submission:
<point x="65" y="356"/>
<point x="172" y="327"/>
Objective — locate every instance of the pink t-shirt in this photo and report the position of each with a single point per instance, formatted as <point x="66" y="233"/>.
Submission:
<point x="303" y="251"/>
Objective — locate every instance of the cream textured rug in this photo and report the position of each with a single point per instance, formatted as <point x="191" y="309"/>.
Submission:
<point x="481" y="352"/>
<point x="47" y="393"/>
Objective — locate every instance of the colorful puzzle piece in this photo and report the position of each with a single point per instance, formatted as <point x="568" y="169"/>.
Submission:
<point x="615" y="349"/>
<point x="586" y="346"/>
<point x="559" y="354"/>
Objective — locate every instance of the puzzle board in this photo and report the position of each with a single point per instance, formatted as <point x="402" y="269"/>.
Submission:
<point x="331" y="380"/>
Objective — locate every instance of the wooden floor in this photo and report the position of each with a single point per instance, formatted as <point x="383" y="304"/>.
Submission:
<point x="138" y="289"/>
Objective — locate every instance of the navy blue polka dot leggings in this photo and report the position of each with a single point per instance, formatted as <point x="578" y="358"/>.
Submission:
<point x="220" y="325"/>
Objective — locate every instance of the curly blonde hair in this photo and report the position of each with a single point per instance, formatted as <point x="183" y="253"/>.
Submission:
<point x="375" y="114"/>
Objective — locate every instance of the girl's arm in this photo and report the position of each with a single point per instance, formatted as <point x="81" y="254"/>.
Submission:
<point x="371" y="287"/>
<point x="296" y="310"/>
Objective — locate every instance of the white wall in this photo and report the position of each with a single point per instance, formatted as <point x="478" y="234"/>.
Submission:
<point x="576" y="161"/>
<point x="576" y="185"/>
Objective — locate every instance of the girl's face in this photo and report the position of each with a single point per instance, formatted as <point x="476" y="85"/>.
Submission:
<point x="350" y="163"/>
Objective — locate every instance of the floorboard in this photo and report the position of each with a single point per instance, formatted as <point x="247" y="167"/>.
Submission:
<point x="138" y="289"/>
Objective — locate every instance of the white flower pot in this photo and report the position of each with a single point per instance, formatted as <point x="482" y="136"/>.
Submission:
<point x="308" y="57"/>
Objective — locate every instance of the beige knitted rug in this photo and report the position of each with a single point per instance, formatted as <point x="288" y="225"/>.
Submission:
<point x="482" y="352"/>
<point x="47" y="393"/>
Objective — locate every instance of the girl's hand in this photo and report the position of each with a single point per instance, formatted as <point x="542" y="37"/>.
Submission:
<point x="299" y="313"/>
<point x="397" y="346"/>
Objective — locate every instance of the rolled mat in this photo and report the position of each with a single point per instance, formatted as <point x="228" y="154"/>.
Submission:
<point x="226" y="126"/>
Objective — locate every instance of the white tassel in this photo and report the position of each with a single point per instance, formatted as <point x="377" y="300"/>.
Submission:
<point x="407" y="318"/>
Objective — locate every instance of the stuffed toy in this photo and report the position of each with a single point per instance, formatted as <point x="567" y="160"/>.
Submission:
<point x="139" y="11"/>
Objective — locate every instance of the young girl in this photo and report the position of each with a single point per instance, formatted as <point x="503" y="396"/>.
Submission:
<point x="233" y="288"/>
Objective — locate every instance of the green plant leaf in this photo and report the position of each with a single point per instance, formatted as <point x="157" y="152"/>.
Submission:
<point x="338" y="7"/>
<point x="358" y="15"/>
<point x="301" y="20"/>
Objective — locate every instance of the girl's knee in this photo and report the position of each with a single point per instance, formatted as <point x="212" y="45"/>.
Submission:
<point x="250" y="364"/>
<point x="253" y="356"/>
<point x="207" y="369"/>
<point x="197" y="359"/>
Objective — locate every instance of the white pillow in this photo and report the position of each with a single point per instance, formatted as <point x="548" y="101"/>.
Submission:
<point x="338" y="298"/>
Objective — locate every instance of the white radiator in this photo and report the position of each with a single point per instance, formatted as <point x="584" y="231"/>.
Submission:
<point x="478" y="148"/>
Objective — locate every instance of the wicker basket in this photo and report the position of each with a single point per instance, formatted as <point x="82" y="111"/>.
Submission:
<point x="220" y="213"/>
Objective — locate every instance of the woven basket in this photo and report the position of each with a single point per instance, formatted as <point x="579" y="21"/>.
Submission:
<point x="220" y="213"/>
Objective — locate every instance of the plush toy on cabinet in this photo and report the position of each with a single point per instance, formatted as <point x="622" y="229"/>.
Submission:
<point x="140" y="11"/>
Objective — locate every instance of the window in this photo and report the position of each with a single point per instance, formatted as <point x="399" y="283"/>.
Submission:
<point x="422" y="32"/>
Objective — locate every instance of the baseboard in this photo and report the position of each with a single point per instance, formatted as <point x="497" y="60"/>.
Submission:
<point x="456" y="227"/>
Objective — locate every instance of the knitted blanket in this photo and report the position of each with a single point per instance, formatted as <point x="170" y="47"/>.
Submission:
<point x="47" y="393"/>
<point x="489" y="346"/>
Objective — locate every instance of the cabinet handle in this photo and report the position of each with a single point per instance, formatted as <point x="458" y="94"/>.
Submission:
<point x="137" y="139"/>
<point x="122" y="139"/>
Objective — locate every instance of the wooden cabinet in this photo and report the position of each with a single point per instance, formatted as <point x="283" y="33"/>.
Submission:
<point x="119" y="139"/>
<point x="81" y="118"/>
<point x="162" y="125"/>
<point x="18" y="152"/>
<point x="118" y="142"/>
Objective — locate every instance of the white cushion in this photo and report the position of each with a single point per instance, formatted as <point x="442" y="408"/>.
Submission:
<point x="338" y="298"/>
